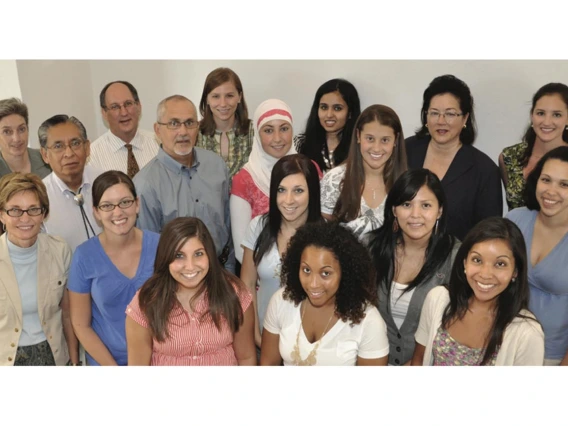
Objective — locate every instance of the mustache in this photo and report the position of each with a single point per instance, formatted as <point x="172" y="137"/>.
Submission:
<point x="183" y="139"/>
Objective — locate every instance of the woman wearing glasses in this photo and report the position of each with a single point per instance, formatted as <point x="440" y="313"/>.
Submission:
<point x="35" y="328"/>
<point x="225" y="128"/>
<point x="470" y="179"/>
<point x="15" y="156"/>
<point x="107" y="270"/>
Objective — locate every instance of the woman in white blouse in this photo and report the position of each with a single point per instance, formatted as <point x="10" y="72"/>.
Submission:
<point x="325" y="314"/>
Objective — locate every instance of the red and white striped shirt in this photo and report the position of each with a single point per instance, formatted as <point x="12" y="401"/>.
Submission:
<point x="193" y="340"/>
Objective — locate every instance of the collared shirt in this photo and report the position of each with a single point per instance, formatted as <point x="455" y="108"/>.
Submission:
<point x="65" y="219"/>
<point x="168" y="189"/>
<point x="109" y="152"/>
<point x="239" y="147"/>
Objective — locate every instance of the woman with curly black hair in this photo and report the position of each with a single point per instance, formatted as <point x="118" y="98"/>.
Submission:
<point x="325" y="314"/>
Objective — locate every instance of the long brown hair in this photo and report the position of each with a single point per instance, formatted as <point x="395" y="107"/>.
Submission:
<point x="349" y="202"/>
<point x="215" y="79"/>
<point x="158" y="295"/>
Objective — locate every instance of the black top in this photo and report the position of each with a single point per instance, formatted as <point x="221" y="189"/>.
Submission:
<point x="472" y="185"/>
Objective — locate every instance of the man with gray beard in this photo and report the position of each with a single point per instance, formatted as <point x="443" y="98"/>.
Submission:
<point x="183" y="180"/>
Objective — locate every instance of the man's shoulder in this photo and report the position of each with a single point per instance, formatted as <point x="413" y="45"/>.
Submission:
<point x="208" y="157"/>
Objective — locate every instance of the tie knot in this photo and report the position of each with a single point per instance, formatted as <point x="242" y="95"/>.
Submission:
<point x="129" y="147"/>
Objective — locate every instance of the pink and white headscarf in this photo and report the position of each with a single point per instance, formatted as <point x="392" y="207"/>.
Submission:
<point x="260" y="163"/>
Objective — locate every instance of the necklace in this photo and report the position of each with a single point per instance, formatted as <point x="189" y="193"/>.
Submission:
<point x="329" y="162"/>
<point x="373" y="189"/>
<point x="311" y="359"/>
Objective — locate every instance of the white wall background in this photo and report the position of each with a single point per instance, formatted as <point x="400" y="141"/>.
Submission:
<point x="9" y="83"/>
<point x="502" y="89"/>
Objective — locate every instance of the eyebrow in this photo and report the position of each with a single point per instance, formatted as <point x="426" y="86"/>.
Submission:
<point x="502" y="255"/>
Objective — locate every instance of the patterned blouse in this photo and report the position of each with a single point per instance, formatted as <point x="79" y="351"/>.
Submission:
<point x="239" y="147"/>
<point x="448" y="352"/>
<point x="194" y="340"/>
<point x="514" y="169"/>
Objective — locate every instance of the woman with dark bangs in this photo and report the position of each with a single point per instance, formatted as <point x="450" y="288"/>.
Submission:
<point x="191" y="311"/>
<point x="481" y="317"/>
<point x="293" y="183"/>
<point x="412" y="253"/>
<point x="325" y="314"/>
<point x="330" y="125"/>
<point x="354" y="193"/>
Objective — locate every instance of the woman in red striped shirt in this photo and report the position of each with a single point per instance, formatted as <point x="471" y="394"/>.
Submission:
<point x="191" y="311"/>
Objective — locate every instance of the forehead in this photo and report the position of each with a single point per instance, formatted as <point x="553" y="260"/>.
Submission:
<point x="118" y="93"/>
<point x="191" y="245"/>
<point x="319" y="257"/>
<point x="294" y="180"/>
<point x="332" y="98"/>
<point x="425" y="193"/>
<point x="62" y="132"/>
<point x="225" y="87"/>
<point x="12" y="120"/>
<point x="180" y="109"/>
<point x="552" y="101"/>
<point x="495" y="247"/>
<point x="376" y="128"/>
<point x="117" y="190"/>
<point x="23" y="198"/>
<point x="445" y="101"/>
<point x="555" y="167"/>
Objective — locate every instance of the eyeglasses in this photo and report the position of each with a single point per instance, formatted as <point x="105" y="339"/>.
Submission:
<point x="108" y="207"/>
<point x="32" y="211"/>
<point x="117" y="107"/>
<point x="60" y="147"/>
<point x="176" y="124"/>
<point x="449" y="116"/>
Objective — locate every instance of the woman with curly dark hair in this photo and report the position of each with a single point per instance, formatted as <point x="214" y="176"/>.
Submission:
<point x="325" y="314"/>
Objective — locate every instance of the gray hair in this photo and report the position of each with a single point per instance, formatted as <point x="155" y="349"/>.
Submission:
<point x="56" y="120"/>
<point x="162" y="105"/>
<point x="13" y="106"/>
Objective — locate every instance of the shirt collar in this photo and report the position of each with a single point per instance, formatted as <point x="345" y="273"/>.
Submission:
<point x="85" y="185"/>
<point x="172" y="164"/>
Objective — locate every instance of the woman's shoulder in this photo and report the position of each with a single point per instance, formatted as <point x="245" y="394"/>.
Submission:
<point x="337" y="173"/>
<point x="520" y="214"/>
<point x="526" y="322"/>
<point x="514" y="151"/>
<point x="151" y="236"/>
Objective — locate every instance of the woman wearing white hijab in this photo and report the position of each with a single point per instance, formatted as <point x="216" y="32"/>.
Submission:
<point x="273" y="138"/>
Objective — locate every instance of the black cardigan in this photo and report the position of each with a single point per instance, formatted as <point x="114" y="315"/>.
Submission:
<point x="472" y="185"/>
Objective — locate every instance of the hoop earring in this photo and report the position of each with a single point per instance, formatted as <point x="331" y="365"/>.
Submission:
<point x="395" y="225"/>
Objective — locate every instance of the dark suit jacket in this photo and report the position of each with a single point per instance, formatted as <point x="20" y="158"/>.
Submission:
<point x="472" y="185"/>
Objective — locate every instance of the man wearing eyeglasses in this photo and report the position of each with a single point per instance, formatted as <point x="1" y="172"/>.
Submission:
<point x="65" y="147"/>
<point x="124" y="146"/>
<point x="184" y="181"/>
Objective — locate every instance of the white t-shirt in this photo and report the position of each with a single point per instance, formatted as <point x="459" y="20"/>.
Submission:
<point x="268" y="270"/>
<point x="368" y="220"/>
<point x="399" y="302"/>
<point x="341" y="345"/>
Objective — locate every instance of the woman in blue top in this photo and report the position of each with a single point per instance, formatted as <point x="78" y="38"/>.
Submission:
<point x="107" y="270"/>
<point x="544" y="224"/>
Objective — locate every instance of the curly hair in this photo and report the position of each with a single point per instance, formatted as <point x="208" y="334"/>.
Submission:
<point x="357" y="287"/>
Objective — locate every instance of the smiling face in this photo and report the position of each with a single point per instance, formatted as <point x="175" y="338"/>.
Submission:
<point x="552" y="189"/>
<point x="276" y="138"/>
<point x="293" y="199"/>
<point x="124" y="121"/>
<point x="22" y="231"/>
<point x="190" y="265"/>
<point x="418" y="216"/>
<point x="550" y="118"/>
<point x="377" y="144"/>
<point x="13" y="135"/>
<point x="320" y="276"/>
<point x="489" y="269"/>
<point x="445" y="130"/>
<point x="118" y="221"/>
<point x="223" y="102"/>
<point x="332" y="112"/>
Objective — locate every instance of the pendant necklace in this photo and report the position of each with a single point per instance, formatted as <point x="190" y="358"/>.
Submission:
<point x="311" y="359"/>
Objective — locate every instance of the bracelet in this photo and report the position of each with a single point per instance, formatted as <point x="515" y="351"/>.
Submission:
<point x="80" y="363"/>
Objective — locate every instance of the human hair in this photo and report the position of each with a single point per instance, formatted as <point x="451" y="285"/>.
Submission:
<point x="357" y="287"/>
<point x="214" y="79"/>
<point x="161" y="109"/>
<point x="349" y="202"/>
<point x="158" y="295"/>
<point x="272" y="221"/>
<point x="14" y="106"/>
<point x="384" y="240"/>
<point x="132" y="89"/>
<point x="511" y="301"/>
<point x="12" y="183"/>
<point x="107" y="179"/>
<point x="315" y="136"/>
<point x="530" y="136"/>
<point x="529" y="193"/>
<point x="55" y="121"/>
<point x="454" y="86"/>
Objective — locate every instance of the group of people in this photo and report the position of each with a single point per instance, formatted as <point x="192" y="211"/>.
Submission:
<point x="230" y="241"/>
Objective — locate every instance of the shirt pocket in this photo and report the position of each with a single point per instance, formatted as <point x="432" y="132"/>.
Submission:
<point x="347" y="350"/>
<point x="55" y="290"/>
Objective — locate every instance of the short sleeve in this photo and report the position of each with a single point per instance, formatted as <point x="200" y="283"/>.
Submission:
<point x="330" y="191"/>
<point x="134" y="312"/>
<point x="244" y="295"/>
<point x="253" y="231"/>
<point x="239" y="184"/>
<point x="374" y="340"/>
<point x="273" y="318"/>
<point x="422" y="334"/>
<point x="77" y="281"/>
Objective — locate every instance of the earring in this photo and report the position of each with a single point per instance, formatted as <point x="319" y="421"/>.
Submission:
<point x="4" y="227"/>
<point x="464" y="126"/>
<point x="436" y="227"/>
<point x="464" y="271"/>
<point x="395" y="225"/>
<point x="513" y="279"/>
<point x="426" y="125"/>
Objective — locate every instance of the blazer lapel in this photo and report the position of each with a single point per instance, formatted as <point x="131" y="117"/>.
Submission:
<point x="8" y="278"/>
<point x="43" y="275"/>
<point x="463" y="161"/>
